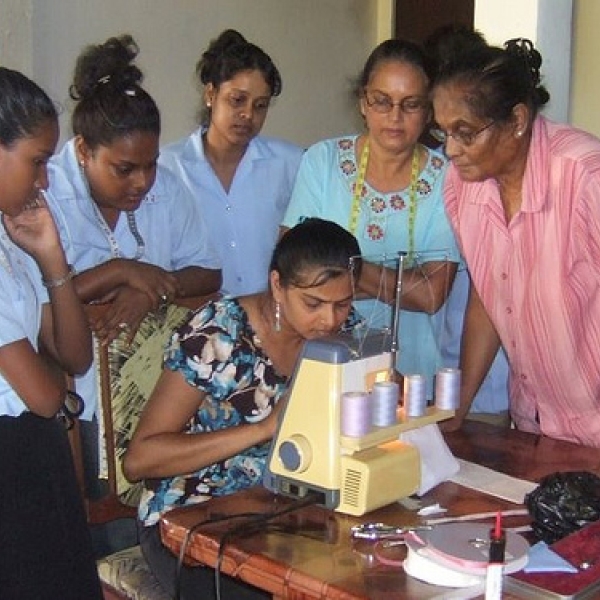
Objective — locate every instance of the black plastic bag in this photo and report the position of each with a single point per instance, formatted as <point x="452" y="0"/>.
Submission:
<point x="563" y="503"/>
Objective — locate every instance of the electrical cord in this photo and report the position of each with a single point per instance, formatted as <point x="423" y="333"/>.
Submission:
<point x="258" y="525"/>
<point x="188" y="536"/>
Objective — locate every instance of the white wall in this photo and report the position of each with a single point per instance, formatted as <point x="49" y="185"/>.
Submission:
<point x="15" y="35"/>
<point x="586" y="66"/>
<point x="547" y="23"/>
<point x="318" y="45"/>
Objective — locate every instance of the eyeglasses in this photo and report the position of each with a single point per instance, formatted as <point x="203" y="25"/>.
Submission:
<point x="382" y="103"/>
<point x="464" y="138"/>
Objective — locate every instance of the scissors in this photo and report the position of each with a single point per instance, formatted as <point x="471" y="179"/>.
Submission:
<point x="380" y="531"/>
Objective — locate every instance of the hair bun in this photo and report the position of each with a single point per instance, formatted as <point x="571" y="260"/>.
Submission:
<point x="107" y="66"/>
<point x="227" y="39"/>
<point x="526" y="52"/>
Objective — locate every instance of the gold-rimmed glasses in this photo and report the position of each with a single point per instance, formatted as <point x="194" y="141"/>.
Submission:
<point x="382" y="103"/>
<point x="464" y="137"/>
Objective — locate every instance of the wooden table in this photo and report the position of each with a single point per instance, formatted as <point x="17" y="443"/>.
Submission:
<point x="312" y="555"/>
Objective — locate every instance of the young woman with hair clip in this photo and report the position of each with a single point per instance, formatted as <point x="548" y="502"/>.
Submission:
<point x="129" y="227"/>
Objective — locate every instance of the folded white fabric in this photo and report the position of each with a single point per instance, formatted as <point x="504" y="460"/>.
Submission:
<point x="544" y="560"/>
<point x="492" y="482"/>
<point x="437" y="462"/>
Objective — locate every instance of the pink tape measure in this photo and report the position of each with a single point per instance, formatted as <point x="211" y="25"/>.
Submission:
<point x="457" y="554"/>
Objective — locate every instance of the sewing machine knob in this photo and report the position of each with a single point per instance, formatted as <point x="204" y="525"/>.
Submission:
<point x="295" y="453"/>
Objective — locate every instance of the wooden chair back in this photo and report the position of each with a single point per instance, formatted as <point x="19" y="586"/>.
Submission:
<point x="127" y="374"/>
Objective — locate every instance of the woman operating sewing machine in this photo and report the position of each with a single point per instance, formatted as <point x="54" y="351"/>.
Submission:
<point x="206" y="427"/>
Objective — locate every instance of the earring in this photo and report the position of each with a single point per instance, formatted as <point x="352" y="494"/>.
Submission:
<point x="519" y="133"/>
<point x="82" y="165"/>
<point x="208" y="104"/>
<point x="277" y="316"/>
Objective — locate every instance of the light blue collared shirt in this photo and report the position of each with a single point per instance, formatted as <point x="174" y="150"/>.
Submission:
<point x="244" y="222"/>
<point x="175" y="236"/>
<point x="21" y="299"/>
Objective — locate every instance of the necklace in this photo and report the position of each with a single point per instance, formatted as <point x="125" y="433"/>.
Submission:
<point x="265" y="312"/>
<point x="4" y="256"/>
<point x="412" y="194"/>
<point x="115" y="251"/>
<point x="358" y="187"/>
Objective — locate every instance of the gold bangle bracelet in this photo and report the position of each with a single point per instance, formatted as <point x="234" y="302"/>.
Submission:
<point x="54" y="283"/>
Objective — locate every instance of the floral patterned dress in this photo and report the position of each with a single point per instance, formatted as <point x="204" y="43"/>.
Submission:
<point x="218" y="352"/>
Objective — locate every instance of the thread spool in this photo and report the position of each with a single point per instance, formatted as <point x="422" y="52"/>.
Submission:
<point x="447" y="389"/>
<point x="415" y="395"/>
<point x="384" y="403"/>
<point x="355" y="414"/>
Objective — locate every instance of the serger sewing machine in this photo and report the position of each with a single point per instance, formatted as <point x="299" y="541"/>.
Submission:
<point x="309" y="454"/>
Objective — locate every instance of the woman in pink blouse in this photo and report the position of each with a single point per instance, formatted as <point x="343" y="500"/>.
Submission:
<point x="523" y="197"/>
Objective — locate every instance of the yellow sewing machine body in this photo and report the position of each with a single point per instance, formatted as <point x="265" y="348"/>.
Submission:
<point x="309" y="454"/>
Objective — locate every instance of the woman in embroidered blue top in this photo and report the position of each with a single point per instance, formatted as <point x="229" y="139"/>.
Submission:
<point x="206" y="428"/>
<point x="386" y="188"/>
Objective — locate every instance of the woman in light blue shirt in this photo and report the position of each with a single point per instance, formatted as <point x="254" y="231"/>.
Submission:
<point x="242" y="181"/>
<point x="46" y="549"/>
<point x="129" y="227"/>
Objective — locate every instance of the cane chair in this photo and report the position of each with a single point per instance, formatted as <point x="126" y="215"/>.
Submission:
<point x="127" y="374"/>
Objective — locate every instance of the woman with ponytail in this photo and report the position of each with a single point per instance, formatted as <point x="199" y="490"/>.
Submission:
<point x="130" y="228"/>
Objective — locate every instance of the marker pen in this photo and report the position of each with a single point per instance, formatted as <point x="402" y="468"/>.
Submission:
<point x="495" y="568"/>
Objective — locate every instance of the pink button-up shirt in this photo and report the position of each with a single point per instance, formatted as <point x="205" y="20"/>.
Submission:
<point x="539" y="279"/>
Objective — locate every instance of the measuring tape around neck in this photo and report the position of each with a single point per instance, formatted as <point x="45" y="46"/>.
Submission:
<point x="412" y="205"/>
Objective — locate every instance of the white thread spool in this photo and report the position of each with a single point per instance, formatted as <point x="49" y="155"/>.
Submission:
<point x="447" y="389"/>
<point x="415" y="396"/>
<point x="384" y="399"/>
<point x="355" y="414"/>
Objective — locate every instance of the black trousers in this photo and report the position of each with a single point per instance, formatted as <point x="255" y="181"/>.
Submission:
<point x="197" y="583"/>
<point x="45" y="547"/>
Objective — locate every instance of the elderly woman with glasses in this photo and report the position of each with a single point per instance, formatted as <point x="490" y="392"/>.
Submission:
<point x="386" y="188"/>
<point x="523" y="196"/>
